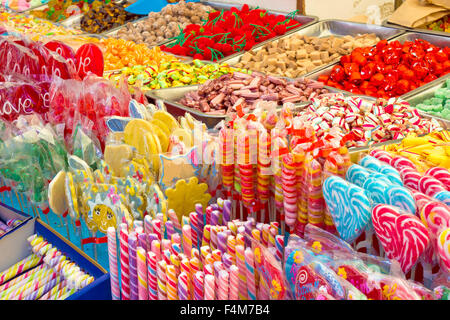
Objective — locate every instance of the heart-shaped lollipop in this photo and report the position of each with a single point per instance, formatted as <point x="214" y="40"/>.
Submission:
<point x="63" y="50"/>
<point x="402" y="235"/>
<point x="435" y="215"/>
<point x="89" y="58"/>
<point x="348" y="205"/>
<point x="381" y="155"/>
<point x="376" y="165"/>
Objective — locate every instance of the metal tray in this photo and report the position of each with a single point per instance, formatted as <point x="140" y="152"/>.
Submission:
<point x="305" y="20"/>
<point x="393" y="25"/>
<point x="426" y="92"/>
<point x="172" y="96"/>
<point x="323" y="29"/>
<point x="408" y="36"/>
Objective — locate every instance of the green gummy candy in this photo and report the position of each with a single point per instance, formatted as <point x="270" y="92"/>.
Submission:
<point x="436" y="101"/>
<point x="447" y="83"/>
<point x="440" y="93"/>
<point x="437" y="108"/>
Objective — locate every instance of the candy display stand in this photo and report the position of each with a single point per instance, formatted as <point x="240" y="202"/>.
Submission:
<point x="15" y="247"/>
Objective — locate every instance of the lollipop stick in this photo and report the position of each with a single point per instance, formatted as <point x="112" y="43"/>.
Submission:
<point x="18" y="199"/>
<point x="263" y="215"/>
<point x="95" y="246"/>
<point x="241" y="209"/>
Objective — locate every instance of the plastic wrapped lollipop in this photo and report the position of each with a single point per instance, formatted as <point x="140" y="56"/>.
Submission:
<point x="313" y="182"/>
<point x="279" y="147"/>
<point x="263" y="169"/>
<point x="246" y="149"/>
<point x="289" y="183"/>
<point x="226" y="146"/>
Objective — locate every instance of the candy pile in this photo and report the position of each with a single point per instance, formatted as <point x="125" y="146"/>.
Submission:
<point x="442" y="24"/>
<point x="34" y="27"/>
<point x="58" y="10"/>
<point x="228" y="32"/>
<point x="46" y="274"/>
<point x="439" y="105"/>
<point x="120" y="53"/>
<point x="389" y="69"/>
<point x="369" y="122"/>
<point x="171" y="74"/>
<point x="323" y="267"/>
<point x="298" y="54"/>
<point x="163" y="25"/>
<point x="8" y="225"/>
<point x="205" y="256"/>
<point x="105" y="17"/>
<point x="424" y="152"/>
<point x="226" y="93"/>
<point x="22" y="5"/>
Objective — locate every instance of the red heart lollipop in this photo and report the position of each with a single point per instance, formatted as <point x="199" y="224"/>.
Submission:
<point x="63" y="50"/>
<point x="89" y="58"/>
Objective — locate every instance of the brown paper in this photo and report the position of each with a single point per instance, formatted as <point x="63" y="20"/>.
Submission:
<point x="441" y="3"/>
<point x="412" y="14"/>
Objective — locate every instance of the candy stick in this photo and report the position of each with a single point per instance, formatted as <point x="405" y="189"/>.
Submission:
<point x="173" y="217"/>
<point x="124" y="262"/>
<point x="199" y="278"/>
<point x="20" y="285"/>
<point x="195" y="253"/>
<point x="240" y="259"/>
<point x="222" y="241"/>
<point x="148" y="226"/>
<point x="183" y="286"/>
<point x="223" y="285"/>
<point x="176" y="262"/>
<point x="209" y="287"/>
<point x="33" y="286"/>
<point x="162" y="280"/>
<point x="170" y="230"/>
<point x="142" y="274"/>
<point x="213" y="242"/>
<point x="227" y="260"/>
<point x="204" y="251"/>
<point x="250" y="267"/>
<point x="166" y="245"/>
<point x="234" y="283"/>
<point x="23" y="278"/>
<point x="132" y="251"/>
<point x="172" y="283"/>
<point x="215" y="218"/>
<point x="208" y="269"/>
<point x="152" y="282"/>
<point x="200" y="221"/>
<point x="185" y="266"/>
<point x="66" y="294"/>
<point x="112" y="256"/>
<point x="156" y="249"/>
<point x="279" y="245"/>
<point x="226" y="216"/>
<point x="54" y="290"/>
<point x="21" y="266"/>
<point x="194" y="221"/>
<point x="187" y="239"/>
<point x="157" y="228"/>
<point x="231" y="248"/>
<point x="206" y="239"/>
<point x="44" y="288"/>
<point x="216" y="255"/>
<point x="256" y="234"/>
<point x="208" y="212"/>
<point x="142" y="239"/>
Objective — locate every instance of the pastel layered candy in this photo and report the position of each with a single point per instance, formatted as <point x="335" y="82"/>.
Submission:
<point x="402" y="235"/>
<point x="348" y="205"/>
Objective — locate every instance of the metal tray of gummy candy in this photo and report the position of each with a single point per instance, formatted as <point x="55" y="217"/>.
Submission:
<point x="386" y="23"/>
<point x="427" y="92"/>
<point x="305" y="20"/>
<point x="436" y="40"/>
<point x="326" y="28"/>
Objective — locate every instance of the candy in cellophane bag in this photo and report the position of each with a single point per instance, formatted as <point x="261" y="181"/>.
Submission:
<point x="271" y="280"/>
<point x="310" y="278"/>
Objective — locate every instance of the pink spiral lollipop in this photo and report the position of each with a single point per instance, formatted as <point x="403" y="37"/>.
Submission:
<point x="222" y="293"/>
<point x="152" y="282"/>
<point x="113" y="269"/>
<point x="430" y="185"/>
<point x="410" y="177"/>
<point x="402" y="162"/>
<point x="199" y="278"/>
<point x="381" y="155"/>
<point x="250" y="267"/>
<point x="234" y="283"/>
<point x="124" y="262"/>
<point x="142" y="273"/>
<point x="209" y="287"/>
<point x="441" y="174"/>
